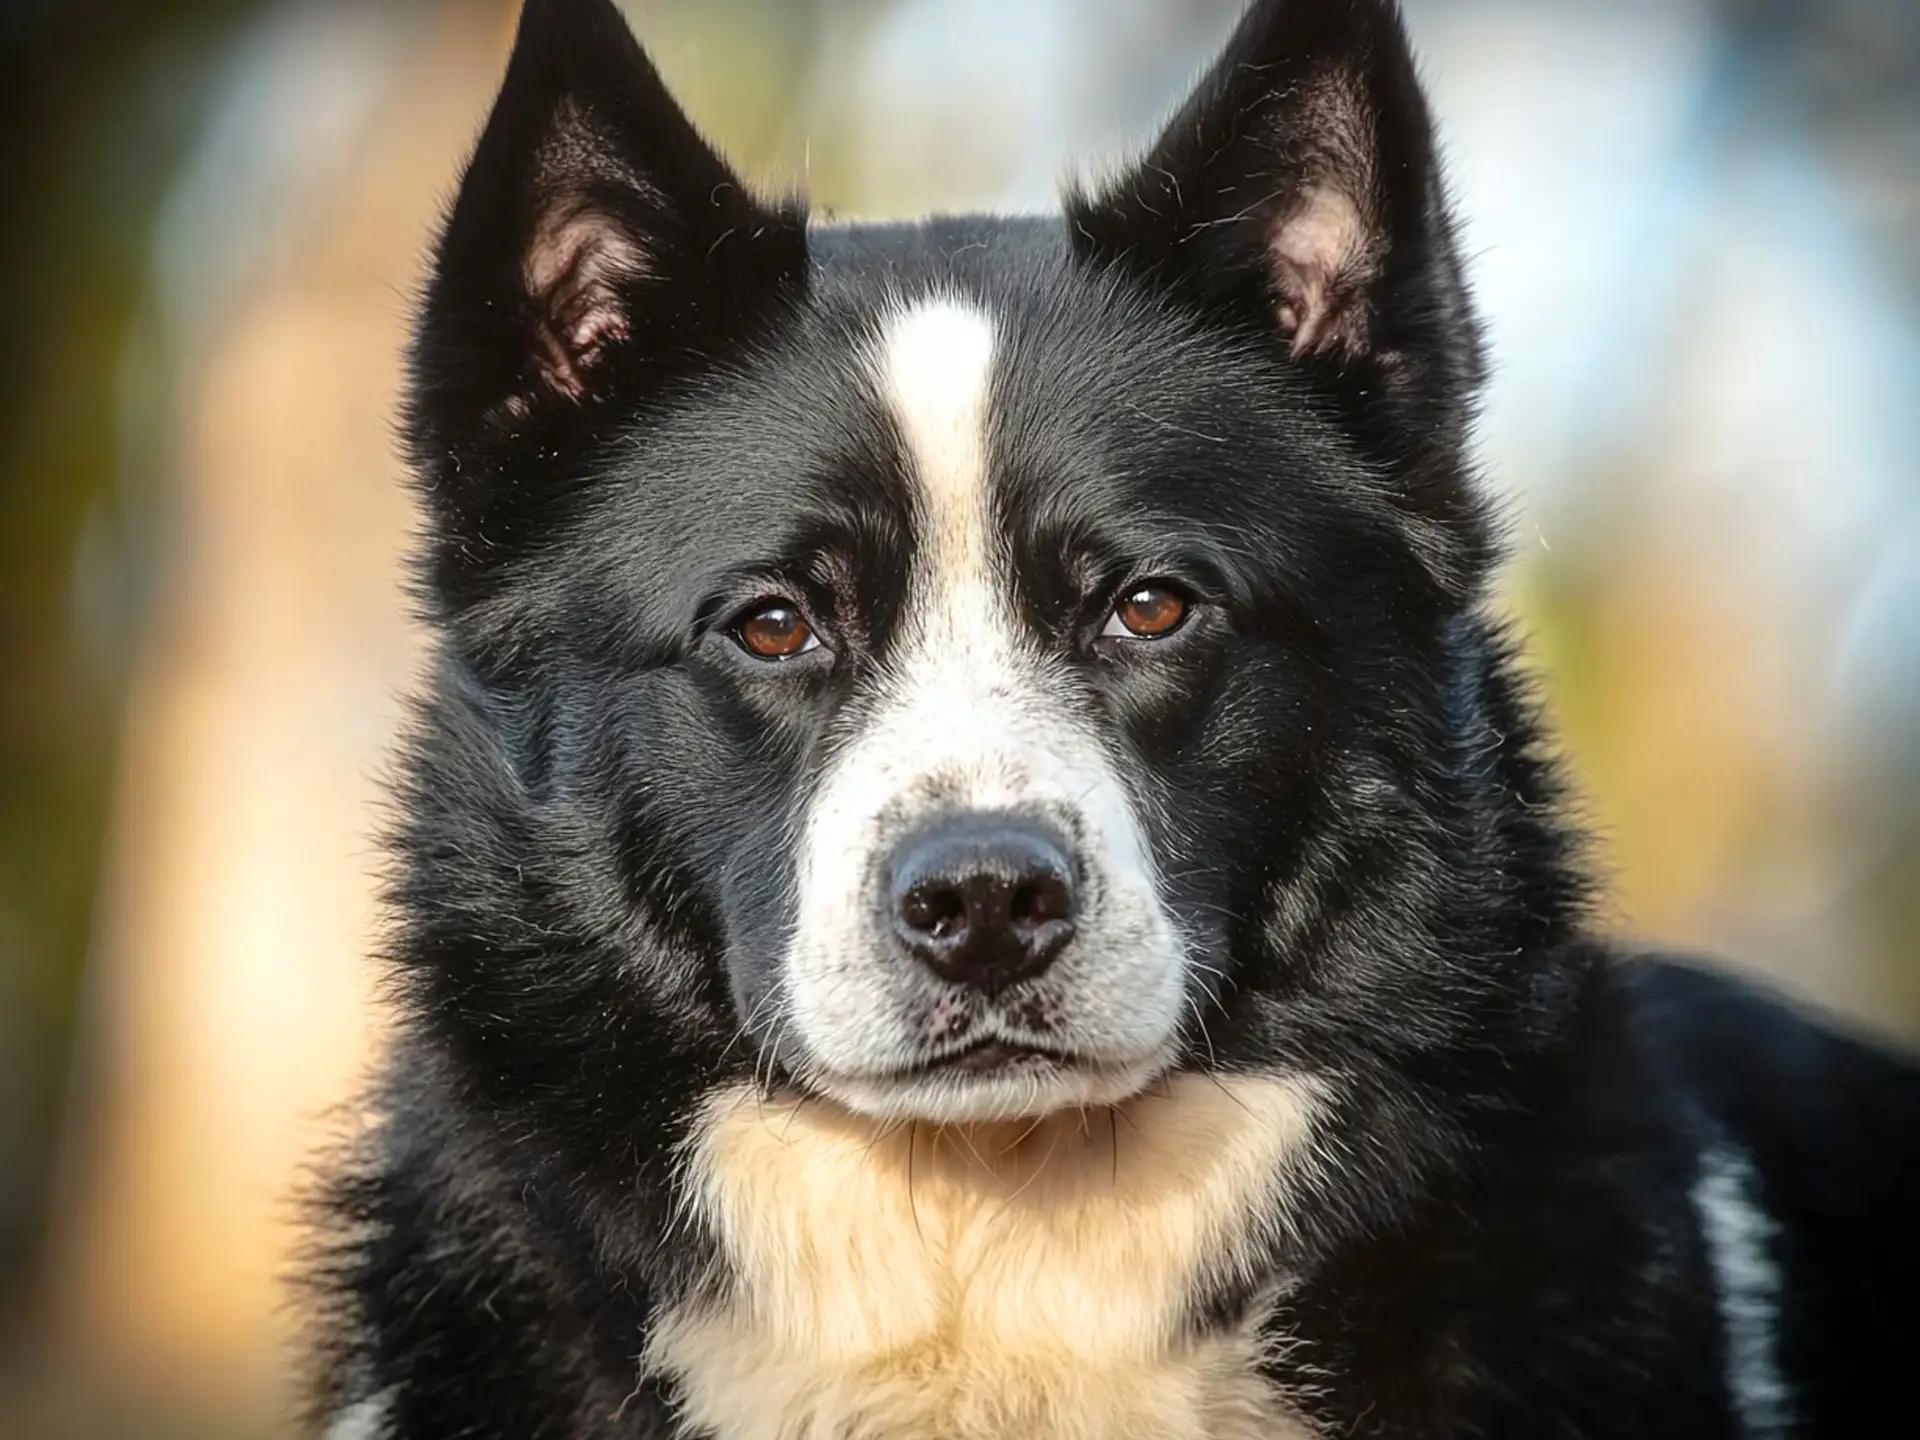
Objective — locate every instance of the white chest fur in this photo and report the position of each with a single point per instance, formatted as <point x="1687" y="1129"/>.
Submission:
<point x="896" y="1284"/>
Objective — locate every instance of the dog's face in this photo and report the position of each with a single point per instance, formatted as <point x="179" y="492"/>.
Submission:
<point x="937" y="662"/>
<point x="973" y="919"/>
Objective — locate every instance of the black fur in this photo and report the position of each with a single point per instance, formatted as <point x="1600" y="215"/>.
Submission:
<point x="597" y="800"/>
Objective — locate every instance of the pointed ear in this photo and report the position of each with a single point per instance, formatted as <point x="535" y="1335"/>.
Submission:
<point x="597" y="245"/>
<point x="1298" y="189"/>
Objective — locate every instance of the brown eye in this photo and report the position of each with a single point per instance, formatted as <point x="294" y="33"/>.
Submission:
<point x="776" y="631"/>
<point x="1147" y="613"/>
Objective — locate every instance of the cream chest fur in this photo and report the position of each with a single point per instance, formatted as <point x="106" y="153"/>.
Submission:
<point x="1024" y="1281"/>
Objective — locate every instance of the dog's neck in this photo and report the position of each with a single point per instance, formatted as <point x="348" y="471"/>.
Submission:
<point x="1034" y="1278"/>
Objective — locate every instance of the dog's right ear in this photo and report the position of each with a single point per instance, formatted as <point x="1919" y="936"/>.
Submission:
<point x="597" y="248"/>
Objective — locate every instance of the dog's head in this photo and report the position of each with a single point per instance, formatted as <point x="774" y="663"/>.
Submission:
<point x="945" y="664"/>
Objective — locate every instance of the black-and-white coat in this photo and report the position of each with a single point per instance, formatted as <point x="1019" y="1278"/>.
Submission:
<point x="972" y="863"/>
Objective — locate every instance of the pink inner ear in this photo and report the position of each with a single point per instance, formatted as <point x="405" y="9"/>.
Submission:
<point x="1324" y="256"/>
<point x="576" y="271"/>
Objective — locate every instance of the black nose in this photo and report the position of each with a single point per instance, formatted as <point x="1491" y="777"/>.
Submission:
<point x="983" y="900"/>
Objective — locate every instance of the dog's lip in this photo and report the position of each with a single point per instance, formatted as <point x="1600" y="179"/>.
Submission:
<point x="991" y="1056"/>
<point x="941" y="1088"/>
<point x="983" y="1056"/>
<point x="991" y="1053"/>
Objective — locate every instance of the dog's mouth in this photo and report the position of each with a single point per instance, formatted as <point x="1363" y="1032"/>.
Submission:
<point x="990" y="1056"/>
<point x="993" y="1078"/>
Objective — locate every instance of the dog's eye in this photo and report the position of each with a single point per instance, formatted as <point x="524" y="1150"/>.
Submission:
<point x="775" y="631"/>
<point x="1148" y="613"/>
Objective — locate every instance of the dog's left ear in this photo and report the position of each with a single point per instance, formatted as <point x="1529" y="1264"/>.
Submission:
<point x="1298" y="189"/>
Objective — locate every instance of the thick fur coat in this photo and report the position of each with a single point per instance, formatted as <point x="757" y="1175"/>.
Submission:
<point x="973" y="863"/>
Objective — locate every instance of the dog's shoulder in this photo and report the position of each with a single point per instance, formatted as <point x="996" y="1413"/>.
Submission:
<point x="1766" y="1065"/>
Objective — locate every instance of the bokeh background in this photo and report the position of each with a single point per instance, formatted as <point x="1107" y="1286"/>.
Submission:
<point x="1696" y="232"/>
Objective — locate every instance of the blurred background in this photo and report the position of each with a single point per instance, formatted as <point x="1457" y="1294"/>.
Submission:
<point x="1696" y="233"/>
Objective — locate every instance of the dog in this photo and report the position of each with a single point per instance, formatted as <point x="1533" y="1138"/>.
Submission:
<point x="973" y="861"/>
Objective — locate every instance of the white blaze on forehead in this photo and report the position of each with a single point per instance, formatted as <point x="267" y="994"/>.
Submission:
<point x="936" y="372"/>
<point x="960" y="660"/>
<point x="936" y="361"/>
<point x="968" y="713"/>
